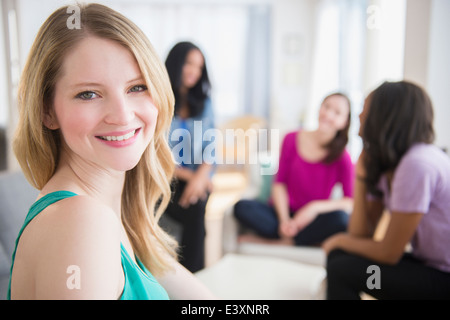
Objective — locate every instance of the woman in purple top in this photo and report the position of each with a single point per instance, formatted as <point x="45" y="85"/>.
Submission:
<point x="399" y="171"/>
<point x="300" y="210"/>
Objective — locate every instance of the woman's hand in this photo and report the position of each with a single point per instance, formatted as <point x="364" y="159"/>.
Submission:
<point x="334" y="242"/>
<point x="302" y="217"/>
<point x="287" y="228"/>
<point x="197" y="187"/>
<point x="305" y="215"/>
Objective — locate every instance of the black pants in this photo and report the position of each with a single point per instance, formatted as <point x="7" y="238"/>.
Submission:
<point x="262" y="218"/>
<point x="348" y="275"/>
<point x="192" y="219"/>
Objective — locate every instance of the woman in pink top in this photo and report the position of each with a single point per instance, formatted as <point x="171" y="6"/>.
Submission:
<point x="400" y="171"/>
<point x="300" y="210"/>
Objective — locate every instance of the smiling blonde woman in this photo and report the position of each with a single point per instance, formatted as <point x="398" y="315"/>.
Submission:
<point x="95" y="108"/>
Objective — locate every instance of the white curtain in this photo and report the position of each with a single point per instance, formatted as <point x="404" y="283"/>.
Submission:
<point x="338" y="59"/>
<point x="358" y="44"/>
<point x="3" y="73"/>
<point x="237" y="42"/>
<point x="220" y="32"/>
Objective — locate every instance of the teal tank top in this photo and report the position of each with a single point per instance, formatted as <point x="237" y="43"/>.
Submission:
<point x="140" y="284"/>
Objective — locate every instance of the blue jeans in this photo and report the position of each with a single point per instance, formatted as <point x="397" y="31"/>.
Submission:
<point x="262" y="218"/>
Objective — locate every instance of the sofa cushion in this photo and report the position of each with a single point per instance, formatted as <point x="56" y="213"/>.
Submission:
<point x="16" y="197"/>
<point x="244" y="277"/>
<point x="265" y="188"/>
<point x="305" y="254"/>
<point x="4" y="283"/>
<point x="5" y="262"/>
<point x="268" y="166"/>
<point x="5" y="266"/>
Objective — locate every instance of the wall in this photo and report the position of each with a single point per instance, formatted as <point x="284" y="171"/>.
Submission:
<point x="438" y="81"/>
<point x="3" y="76"/>
<point x="427" y="48"/>
<point x="292" y="42"/>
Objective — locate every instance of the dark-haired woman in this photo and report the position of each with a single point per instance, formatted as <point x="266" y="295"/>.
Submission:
<point x="193" y="116"/>
<point x="300" y="211"/>
<point x="400" y="171"/>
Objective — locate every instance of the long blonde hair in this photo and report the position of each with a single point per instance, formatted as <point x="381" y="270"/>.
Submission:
<point x="146" y="191"/>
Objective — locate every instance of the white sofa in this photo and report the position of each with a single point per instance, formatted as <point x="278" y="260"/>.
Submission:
<point x="259" y="187"/>
<point x="16" y="197"/>
<point x="251" y="271"/>
<point x="232" y="229"/>
<point x="264" y="271"/>
<point x="256" y="277"/>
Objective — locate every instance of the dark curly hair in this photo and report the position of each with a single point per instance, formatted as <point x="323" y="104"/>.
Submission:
<point x="400" y="114"/>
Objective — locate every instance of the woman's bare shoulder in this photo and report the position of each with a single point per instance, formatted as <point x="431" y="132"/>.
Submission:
<point x="76" y="236"/>
<point x="80" y="216"/>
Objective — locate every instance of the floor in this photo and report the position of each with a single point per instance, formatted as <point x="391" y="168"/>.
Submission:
<point x="228" y="187"/>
